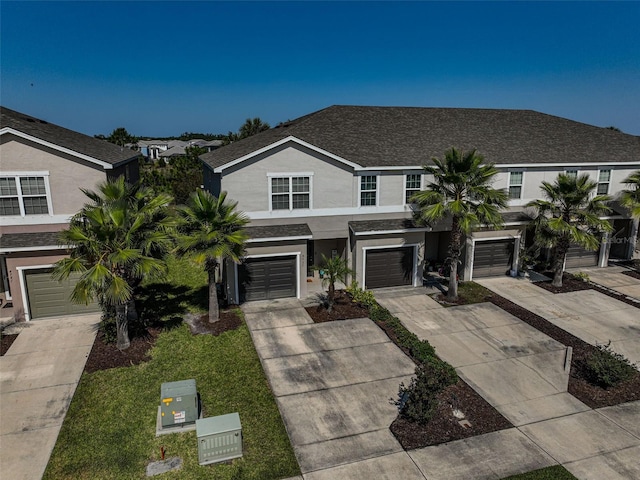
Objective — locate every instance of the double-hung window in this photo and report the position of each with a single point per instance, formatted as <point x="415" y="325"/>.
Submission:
<point x="604" y="178"/>
<point x="368" y="190"/>
<point x="22" y="195"/>
<point x="412" y="185"/>
<point x="572" y="173"/>
<point x="290" y="193"/>
<point x="515" y="185"/>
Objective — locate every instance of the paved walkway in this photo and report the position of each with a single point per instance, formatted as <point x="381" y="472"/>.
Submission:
<point x="38" y="377"/>
<point x="613" y="278"/>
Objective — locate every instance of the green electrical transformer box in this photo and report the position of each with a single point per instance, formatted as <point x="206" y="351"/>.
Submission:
<point x="179" y="403"/>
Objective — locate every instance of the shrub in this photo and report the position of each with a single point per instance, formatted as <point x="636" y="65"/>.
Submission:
<point x="606" y="368"/>
<point x="417" y="401"/>
<point x="362" y="297"/>
<point x="584" y="276"/>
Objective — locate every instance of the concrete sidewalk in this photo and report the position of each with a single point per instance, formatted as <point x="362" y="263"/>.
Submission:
<point x="38" y="377"/>
<point x="613" y="278"/>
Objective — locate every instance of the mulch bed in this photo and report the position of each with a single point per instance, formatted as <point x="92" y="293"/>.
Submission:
<point x="5" y="342"/>
<point x="106" y="355"/>
<point x="343" y="309"/>
<point x="632" y="273"/>
<point x="443" y="427"/>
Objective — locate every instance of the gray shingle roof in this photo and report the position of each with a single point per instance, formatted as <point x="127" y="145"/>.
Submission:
<point x="279" y="231"/>
<point x="20" y="241"/>
<point x="84" y="144"/>
<point x="411" y="136"/>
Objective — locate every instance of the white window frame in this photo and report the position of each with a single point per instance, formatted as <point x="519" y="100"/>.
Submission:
<point x="607" y="183"/>
<point x="377" y="190"/>
<point x="17" y="176"/>
<point x="521" y="185"/>
<point x="290" y="176"/>
<point x="405" y="189"/>
<point x="570" y="171"/>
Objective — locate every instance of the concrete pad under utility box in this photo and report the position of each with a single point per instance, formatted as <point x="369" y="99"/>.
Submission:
<point x="491" y="456"/>
<point x="338" y="412"/>
<point x="280" y="342"/>
<point x="579" y="436"/>
<point x="618" y="465"/>
<point x="336" y="368"/>
<point x="354" y="448"/>
<point x="394" y="466"/>
<point x="277" y="318"/>
<point x="543" y="408"/>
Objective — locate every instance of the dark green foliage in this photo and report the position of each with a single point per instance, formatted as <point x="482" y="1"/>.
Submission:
<point x="180" y="178"/>
<point x="418" y="401"/>
<point x="607" y="368"/>
<point x="360" y="296"/>
<point x="555" y="472"/>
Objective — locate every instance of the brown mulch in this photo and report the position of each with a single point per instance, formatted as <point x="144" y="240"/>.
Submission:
<point x="106" y="355"/>
<point x="5" y="342"/>
<point x="343" y="309"/>
<point x="579" y="387"/>
<point x="632" y="273"/>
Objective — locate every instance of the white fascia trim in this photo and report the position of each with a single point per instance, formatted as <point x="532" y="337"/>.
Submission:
<point x="290" y="138"/>
<point x="23" y="287"/>
<point x="105" y="165"/>
<point x="380" y="247"/>
<point x="34" y="220"/>
<point x="277" y="239"/>
<point x="34" y="249"/>
<point x="564" y="164"/>
<point x="387" y="232"/>
<point x="324" y="212"/>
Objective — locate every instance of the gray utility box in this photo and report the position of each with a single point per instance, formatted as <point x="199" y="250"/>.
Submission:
<point x="178" y="403"/>
<point x="219" y="438"/>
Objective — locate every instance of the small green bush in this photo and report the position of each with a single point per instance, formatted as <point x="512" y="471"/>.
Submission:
<point x="360" y="296"/>
<point x="607" y="368"/>
<point x="584" y="276"/>
<point x="417" y="401"/>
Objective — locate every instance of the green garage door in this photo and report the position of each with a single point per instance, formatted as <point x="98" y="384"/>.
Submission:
<point x="267" y="278"/>
<point x="492" y="258"/>
<point x="50" y="298"/>
<point x="389" y="267"/>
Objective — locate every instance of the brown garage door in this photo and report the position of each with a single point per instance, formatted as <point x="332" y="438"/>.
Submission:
<point x="492" y="258"/>
<point x="389" y="267"/>
<point x="580" y="257"/>
<point x="267" y="278"/>
<point x="49" y="298"/>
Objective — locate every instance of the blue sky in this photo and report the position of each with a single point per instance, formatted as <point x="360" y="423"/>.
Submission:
<point x="163" y="68"/>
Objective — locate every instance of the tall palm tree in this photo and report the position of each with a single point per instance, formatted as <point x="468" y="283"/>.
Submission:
<point x="569" y="213"/>
<point x="334" y="269"/>
<point x="630" y="197"/>
<point x="118" y="238"/>
<point x="252" y="126"/>
<point x="461" y="190"/>
<point x="211" y="230"/>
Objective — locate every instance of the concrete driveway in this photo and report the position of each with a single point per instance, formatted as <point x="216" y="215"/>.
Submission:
<point x="591" y="316"/>
<point x="613" y="278"/>
<point x="38" y="377"/>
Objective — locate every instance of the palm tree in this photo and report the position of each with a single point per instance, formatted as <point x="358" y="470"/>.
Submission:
<point x="118" y="238"/>
<point x="334" y="269"/>
<point x="211" y="230"/>
<point x="569" y="213"/>
<point x="630" y="197"/>
<point x="252" y="126"/>
<point x="461" y="189"/>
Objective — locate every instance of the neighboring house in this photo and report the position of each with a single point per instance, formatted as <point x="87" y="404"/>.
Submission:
<point x="43" y="167"/>
<point x="337" y="182"/>
<point x="156" y="149"/>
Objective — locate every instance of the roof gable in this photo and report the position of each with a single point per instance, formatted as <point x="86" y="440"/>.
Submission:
<point x="100" y="152"/>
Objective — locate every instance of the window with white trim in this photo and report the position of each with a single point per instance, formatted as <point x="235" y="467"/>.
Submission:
<point x="290" y="193"/>
<point x="515" y="185"/>
<point x="412" y="185"/>
<point x="604" y="179"/>
<point x="23" y="195"/>
<point x="368" y="190"/>
<point x="573" y="173"/>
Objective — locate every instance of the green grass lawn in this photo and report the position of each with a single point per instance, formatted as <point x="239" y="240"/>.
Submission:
<point x="557" y="472"/>
<point x="109" y="430"/>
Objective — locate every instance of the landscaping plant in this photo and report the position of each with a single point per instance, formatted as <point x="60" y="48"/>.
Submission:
<point x="607" y="368"/>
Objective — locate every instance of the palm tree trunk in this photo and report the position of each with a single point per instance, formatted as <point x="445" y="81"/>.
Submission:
<point x="214" y="309"/>
<point x="331" y="295"/>
<point x="558" y="261"/>
<point x="454" y="254"/>
<point x="122" y="327"/>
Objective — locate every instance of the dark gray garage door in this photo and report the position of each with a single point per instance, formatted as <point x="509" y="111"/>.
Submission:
<point x="492" y="258"/>
<point x="49" y="298"/>
<point x="267" y="278"/>
<point x="389" y="267"/>
<point x="580" y="257"/>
